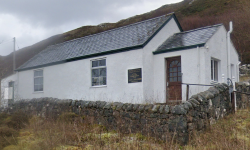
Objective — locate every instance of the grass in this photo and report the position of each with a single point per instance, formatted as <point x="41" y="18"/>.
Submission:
<point x="70" y="133"/>
<point x="245" y="78"/>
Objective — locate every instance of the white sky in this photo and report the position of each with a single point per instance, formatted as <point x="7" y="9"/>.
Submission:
<point x="31" y="21"/>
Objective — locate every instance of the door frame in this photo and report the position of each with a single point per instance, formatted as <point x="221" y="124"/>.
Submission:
<point x="167" y="59"/>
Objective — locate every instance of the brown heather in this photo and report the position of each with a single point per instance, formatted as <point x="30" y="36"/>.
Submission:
<point x="69" y="133"/>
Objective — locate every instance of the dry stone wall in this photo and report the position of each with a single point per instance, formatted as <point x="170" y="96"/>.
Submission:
<point x="161" y="121"/>
<point x="242" y="95"/>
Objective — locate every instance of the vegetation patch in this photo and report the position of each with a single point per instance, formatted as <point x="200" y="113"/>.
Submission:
<point x="232" y="132"/>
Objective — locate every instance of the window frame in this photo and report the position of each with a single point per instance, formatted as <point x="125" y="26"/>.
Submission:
<point x="98" y="67"/>
<point x="214" y="70"/>
<point x="34" y="77"/>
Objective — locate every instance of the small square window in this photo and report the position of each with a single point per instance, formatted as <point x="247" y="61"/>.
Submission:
<point x="99" y="72"/>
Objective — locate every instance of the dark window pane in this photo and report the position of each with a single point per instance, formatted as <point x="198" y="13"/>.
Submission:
<point x="175" y="74"/>
<point x="104" y="81"/>
<point x="103" y="72"/>
<point x="95" y="73"/>
<point x="175" y="69"/>
<point x="175" y="79"/>
<point x="175" y="62"/>
<point x="179" y="74"/>
<point x="170" y="79"/>
<point x="102" y="62"/>
<point x="170" y="69"/>
<point x="36" y="87"/>
<point x="179" y="78"/>
<point x="35" y="73"/>
<point x="179" y="68"/>
<point x="94" y="63"/>
<point x="40" y="73"/>
<point x="36" y="81"/>
<point x="212" y="70"/>
<point x="215" y="71"/>
<point x="179" y="64"/>
<point x="95" y="81"/>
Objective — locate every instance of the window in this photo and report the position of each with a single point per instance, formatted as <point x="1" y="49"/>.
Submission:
<point x="38" y="80"/>
<point x="214" y="70"/>
<point x="99" y="72"/>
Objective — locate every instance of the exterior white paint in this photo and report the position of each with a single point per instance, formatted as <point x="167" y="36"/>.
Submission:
<point x="196" y="66"/>
<point x="6" y="92"/>
<point x="72" y="80"/>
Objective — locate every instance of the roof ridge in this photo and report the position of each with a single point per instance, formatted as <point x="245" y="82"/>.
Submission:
<point x="112" y="29"/>
<point x="200" y="28"/>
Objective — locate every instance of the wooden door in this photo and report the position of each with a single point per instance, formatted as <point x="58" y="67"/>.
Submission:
<point x="174" y="78"/>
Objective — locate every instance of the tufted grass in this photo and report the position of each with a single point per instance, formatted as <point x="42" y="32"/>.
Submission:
<point x="70" y="133"/>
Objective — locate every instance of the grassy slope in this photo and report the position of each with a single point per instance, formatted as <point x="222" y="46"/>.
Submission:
<point x="232" y="132"/>
<point x="198" y="14"/>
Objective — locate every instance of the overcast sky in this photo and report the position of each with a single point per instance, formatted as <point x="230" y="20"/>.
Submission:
<point x="31" y="21"/>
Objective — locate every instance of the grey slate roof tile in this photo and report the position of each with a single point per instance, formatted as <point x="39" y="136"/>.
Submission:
<point x="127" y="36"/>
<point x="188" y="38"/>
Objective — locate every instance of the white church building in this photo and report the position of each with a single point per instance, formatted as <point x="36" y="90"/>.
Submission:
<point x="146" y="62"/>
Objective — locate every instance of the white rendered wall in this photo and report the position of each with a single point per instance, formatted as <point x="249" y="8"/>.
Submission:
<point x="72" y="80"/>
<point x="217" y="48"/>
<point x="4" y="86"/>
<point x="196" y="66"/>
<point x="189" y="69"/>
<point x="149" y="59"/>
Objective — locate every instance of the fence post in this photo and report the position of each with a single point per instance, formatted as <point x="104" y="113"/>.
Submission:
<point x="223" y="78"/>
<point x="187" y="92"/>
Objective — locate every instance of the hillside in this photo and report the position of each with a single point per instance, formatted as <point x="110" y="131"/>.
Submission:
<point x="191" y="14"/>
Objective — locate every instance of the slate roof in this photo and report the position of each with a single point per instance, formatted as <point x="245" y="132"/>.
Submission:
<point x="123" y="38"/>
<point x="188" y="39"/>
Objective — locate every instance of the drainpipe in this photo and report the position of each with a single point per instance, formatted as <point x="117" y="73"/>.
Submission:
<point x="228" y="49"/>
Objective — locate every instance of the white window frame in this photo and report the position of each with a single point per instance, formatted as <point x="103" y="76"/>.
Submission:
<point x="34" y="77"/>
<point x="214" y="73"/>
<point x="98" y="67"/>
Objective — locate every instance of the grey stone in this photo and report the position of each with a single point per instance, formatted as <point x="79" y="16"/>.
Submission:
<point x="102" y="104"/>
<point x="141" y="108"/>
<point x="214" y="91"/>
<point x="124" y="107"/>
<point x="195" y="101"/>
<point x="130" y="107"/>
<point x="84" y="104"/>
<point x="90" y="104"/>
<point x="94" y="104"/>
<point x="200" y="98"/>
<point x="119" y="106"/>
<point x="155" y="108"/>
<point x="135" y="116"/>
<point x="154" y="115"/>
<point x="179" y="110"/>
<point x="208" y="95"/>
<point x="185" y="106"/>
<point x="178" y="124"/>
<point x="107" y="106"/>
<point x="194" y="96"/>
<point x="193" y="104"/>
<point x="166" y="109"/>
<point x="161" y="109"/>
<point x="135" y="107"/>
<point x="149" y="107"/>
<point x="188" y="104"/>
